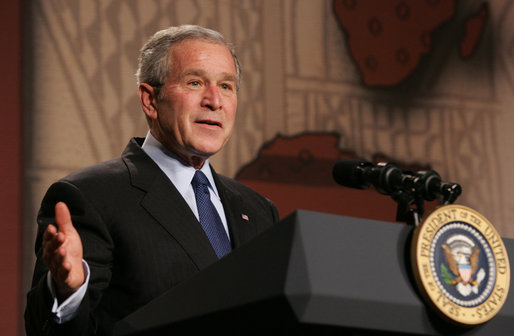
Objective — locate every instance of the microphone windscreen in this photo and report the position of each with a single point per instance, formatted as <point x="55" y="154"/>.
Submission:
<point x="348" y="172"/>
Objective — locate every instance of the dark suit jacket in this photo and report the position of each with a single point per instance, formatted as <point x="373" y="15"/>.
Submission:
<point x="140" y="238"/>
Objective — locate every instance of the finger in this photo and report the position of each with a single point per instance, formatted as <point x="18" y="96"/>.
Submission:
<point x="53" y="246"/>
<point x="49" y="233"/>
<point x="63" y="217"/>
<point x="52" y="242"/>
<point x="53" y="259"/>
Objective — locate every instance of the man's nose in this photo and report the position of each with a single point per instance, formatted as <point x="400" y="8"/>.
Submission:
<point x="212" y="98"/>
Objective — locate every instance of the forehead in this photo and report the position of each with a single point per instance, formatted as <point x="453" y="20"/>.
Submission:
<point x="197" y="53"/>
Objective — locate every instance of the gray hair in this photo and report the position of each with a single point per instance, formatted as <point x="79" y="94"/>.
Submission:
<point x="154" y="61"/>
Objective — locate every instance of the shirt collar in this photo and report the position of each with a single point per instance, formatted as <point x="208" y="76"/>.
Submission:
<point x="178" y="171"/>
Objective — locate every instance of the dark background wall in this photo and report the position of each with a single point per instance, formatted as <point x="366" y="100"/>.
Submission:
<point x="11" y="144"/>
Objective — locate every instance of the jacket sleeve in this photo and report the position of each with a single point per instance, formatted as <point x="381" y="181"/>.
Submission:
<point x="97" y="245"/>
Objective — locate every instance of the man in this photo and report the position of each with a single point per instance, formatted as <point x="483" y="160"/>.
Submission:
<point x="114" y="236"/>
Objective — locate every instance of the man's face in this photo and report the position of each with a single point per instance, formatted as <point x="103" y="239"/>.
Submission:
<point x="196" y="113"/>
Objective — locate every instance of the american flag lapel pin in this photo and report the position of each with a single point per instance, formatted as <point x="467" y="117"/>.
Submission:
<point x="245" y="217"/>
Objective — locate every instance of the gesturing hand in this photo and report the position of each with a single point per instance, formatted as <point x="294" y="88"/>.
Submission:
<point x="62" y="253"/>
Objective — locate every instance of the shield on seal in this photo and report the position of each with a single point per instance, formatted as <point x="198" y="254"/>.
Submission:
<point x="465" y="272"/>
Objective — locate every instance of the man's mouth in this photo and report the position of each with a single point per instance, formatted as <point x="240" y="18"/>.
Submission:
<point x="209" y="122"/>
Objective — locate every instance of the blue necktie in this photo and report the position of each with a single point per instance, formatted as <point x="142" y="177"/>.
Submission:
<point x="209" y="217"/>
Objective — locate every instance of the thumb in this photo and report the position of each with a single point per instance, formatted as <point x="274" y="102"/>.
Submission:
<point x="63" y="217"/>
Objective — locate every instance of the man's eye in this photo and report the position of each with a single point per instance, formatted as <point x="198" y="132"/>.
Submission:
<point x="194" y="83"/>
<point x="225" y="86"/>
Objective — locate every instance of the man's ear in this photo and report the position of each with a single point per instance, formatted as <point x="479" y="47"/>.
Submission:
<point x="148" y="100"/>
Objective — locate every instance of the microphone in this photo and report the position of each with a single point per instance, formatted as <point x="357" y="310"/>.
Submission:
<point x="388" y="178"/>
<point x="385" y="177"/>
<point x="431" y="186"/>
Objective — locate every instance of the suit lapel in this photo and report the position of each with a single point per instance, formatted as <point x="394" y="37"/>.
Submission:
<point x="164" y="203"/>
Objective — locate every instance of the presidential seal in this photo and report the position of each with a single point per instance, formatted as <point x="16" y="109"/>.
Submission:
<point x="460" y="265"/>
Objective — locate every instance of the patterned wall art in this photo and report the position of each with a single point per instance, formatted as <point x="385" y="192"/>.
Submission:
<point x="421" y="83"/>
